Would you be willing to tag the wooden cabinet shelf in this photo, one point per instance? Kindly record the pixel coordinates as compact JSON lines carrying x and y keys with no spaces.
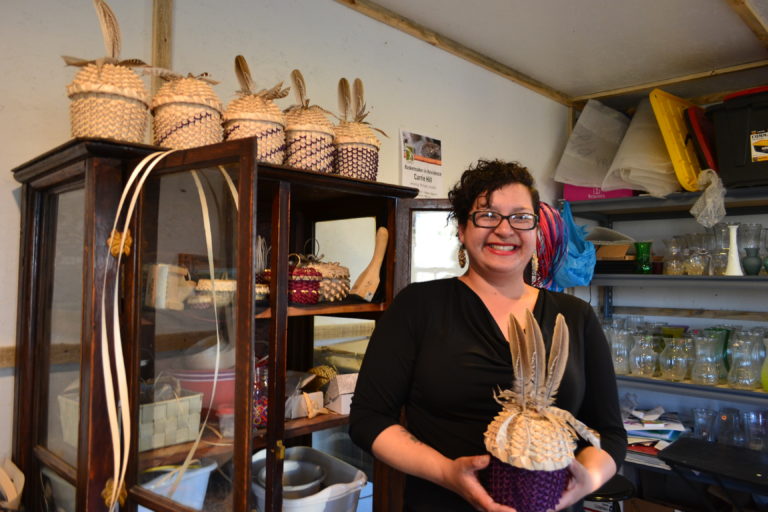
{"x":331,"y":309}
{"x":212,"y":446}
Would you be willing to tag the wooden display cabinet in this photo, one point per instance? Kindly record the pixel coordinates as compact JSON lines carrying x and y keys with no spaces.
{"x":70,"y":197}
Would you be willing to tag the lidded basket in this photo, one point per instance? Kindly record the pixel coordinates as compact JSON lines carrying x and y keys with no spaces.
{"x":187,"y":113}
{"x":357,"y":151}
{"x":357,"y":148}
{"x":255,"y":114}
{"x":308,"y":133}
{"x":108,"y":99}
{"x":531,"y":441}
{"x":110,"y":102}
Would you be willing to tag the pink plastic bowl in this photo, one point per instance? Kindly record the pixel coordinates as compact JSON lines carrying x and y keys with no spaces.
{"x":202,"y":381}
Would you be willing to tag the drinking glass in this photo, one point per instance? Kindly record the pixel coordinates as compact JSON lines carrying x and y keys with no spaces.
{"x":643,"y":257}
{"x":704,"y":423}
{"x":730,"y":431}
{"x":756,"y":429}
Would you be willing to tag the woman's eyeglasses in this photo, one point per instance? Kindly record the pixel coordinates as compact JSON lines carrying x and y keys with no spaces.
{"x":490,"y":219}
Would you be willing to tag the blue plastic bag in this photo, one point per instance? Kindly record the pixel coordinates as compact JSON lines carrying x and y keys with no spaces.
{"x":579,"y":264}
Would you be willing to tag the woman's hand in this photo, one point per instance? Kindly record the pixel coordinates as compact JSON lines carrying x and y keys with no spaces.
{"x":579,"y":485}
{"x":591,"y":469}
{"x":460,"y":476}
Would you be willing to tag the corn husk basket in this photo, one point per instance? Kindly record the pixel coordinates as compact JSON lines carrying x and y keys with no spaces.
{"x":357,"y":151}
{"x":531,"y":441}
{"x":187,"y":113}
{"x":308,"y":133}
{"x":108,"y":99}
{"x":255,"y":114}
{"x":335,"y":282}
{"x":357,"y":147}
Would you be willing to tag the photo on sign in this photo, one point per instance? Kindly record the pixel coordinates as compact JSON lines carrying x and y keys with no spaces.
{"x":421,"y":148}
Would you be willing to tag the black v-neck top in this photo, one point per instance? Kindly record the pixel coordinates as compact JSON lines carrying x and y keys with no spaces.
{"x":438,"y":352}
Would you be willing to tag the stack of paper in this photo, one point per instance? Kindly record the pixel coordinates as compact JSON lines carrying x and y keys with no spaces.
{"x":654,"y":424}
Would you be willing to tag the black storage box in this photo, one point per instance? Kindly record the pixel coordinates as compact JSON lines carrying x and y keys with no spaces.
{"x":741,"y":137}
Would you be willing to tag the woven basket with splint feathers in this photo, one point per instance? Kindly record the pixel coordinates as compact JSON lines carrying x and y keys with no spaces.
{"x":308,"y":133}
{"x":108,"y":99}
{"x":531,"y":441}
{"x":187,"y":113}
{"x":255,"y":114}
{"x":357,"y":147}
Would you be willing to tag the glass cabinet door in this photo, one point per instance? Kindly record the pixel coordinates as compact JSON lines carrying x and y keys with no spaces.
{"x":63,"y":315}
{"x":187,"y":334}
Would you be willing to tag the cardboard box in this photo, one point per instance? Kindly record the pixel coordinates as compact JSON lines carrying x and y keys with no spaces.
{"x":340,"y":404}
{"x":296,"y":405}
{"x":341,"y":385}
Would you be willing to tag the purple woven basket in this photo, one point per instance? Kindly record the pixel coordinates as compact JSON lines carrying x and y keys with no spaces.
{"x":523,"y":489}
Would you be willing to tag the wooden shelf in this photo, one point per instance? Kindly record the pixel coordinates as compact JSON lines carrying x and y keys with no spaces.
{"x":328,"y":309}
{"x":221,"y":449}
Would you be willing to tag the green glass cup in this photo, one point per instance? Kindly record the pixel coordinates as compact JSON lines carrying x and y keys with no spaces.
{"x":643,"y":258}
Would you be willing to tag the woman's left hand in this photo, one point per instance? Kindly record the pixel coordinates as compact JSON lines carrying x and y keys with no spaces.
{"x":591,"y":468}
{"x":579,"y":485}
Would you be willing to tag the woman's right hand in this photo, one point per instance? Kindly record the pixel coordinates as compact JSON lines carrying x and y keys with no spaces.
{"x":460,"y":476}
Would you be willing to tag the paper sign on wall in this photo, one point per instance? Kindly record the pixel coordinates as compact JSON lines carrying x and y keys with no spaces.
{"x":421,"y":164}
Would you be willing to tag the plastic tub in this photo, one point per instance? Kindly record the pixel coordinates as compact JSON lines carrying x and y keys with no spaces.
{"x":741,"y":138}
{"x":190,"y":491}
{"x":340,"y":490}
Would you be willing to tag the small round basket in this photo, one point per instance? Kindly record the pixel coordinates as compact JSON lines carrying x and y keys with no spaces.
{"x":357,"y":151}
{"x":255,"y":116}
{"x":109,"y":102}
{"x":187,"y":114}
{"x":309,"y":140}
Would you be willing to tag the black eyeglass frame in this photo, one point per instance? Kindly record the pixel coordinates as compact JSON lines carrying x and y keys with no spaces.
{"x":508,"y":218}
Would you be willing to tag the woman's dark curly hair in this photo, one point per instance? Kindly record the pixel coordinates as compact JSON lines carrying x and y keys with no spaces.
{"x":484,"y":178}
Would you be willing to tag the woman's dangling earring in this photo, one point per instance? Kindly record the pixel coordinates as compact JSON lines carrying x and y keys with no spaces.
{"x":534,"y":267}
{"x":462,"y":256}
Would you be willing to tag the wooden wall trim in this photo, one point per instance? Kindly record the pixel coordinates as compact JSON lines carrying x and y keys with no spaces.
{"x":7,"y":357}
{"x":162,"y":31}
{"x":394,"y":20}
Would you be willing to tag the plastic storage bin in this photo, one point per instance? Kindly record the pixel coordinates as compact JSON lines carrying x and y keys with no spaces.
{"x":741,"y":137}
{"x":340,"y":490}
{"x":190,"y":491}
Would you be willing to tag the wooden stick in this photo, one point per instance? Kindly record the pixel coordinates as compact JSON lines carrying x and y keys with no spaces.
{"x":365,"y":285}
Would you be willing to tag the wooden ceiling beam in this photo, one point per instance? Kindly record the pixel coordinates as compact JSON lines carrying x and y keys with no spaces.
{"x":394,"y":20}
{"x":671,"y":81}
{"x":748,"y":15}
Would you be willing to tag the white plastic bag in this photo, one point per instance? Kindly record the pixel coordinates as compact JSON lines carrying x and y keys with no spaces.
{"x":709,"y":208}
{"x":642,"y":161}
{"x":591,"y":146}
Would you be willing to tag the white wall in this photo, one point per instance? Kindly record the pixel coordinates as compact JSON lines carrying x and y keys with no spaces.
{"x":409,"y":84}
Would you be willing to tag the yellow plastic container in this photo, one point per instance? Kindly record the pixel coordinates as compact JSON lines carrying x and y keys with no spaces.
{"x":670,"y":114}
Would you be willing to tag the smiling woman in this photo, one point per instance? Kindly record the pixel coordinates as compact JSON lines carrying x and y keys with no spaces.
{"x":442,"y":350}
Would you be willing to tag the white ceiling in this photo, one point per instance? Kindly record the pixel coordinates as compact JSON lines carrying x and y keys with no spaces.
{"x":582,"y":47}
